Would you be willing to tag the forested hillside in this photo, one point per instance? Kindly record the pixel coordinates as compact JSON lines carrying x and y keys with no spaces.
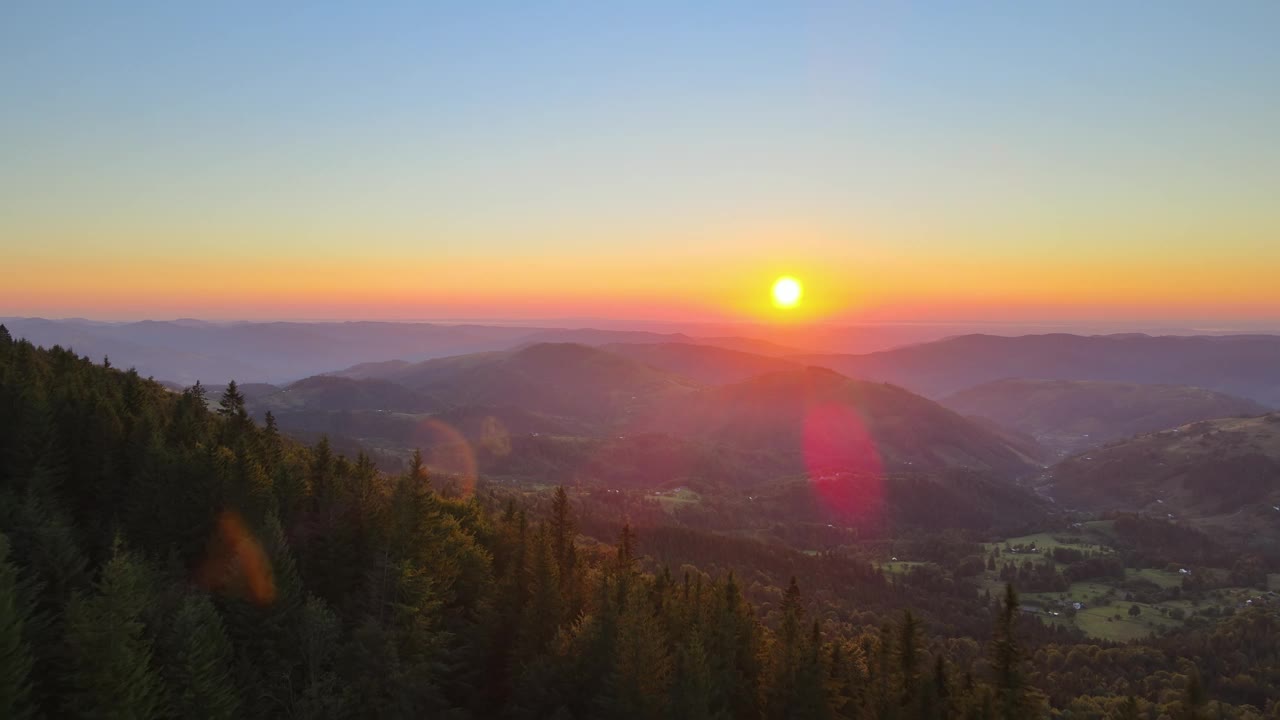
{"x":159,"y":559}
{"x":1073,"y":415}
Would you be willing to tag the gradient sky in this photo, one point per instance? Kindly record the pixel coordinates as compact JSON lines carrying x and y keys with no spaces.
{"x":997,"y":161}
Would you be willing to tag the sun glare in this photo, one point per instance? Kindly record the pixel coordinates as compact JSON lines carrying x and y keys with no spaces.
{"x":787,"y":292}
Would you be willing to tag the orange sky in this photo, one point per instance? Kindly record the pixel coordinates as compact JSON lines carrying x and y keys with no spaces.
{"x":906,"y":165}
{"x":883,"y":289}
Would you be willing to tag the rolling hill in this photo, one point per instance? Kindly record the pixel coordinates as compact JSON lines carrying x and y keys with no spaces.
{"x":836,"y":424}
{"x":326,"y":393}
{"x":1224,"y":471}
{"x":706,"y":364}
{"x":1069,"y":415}
{"x":1243,"y":365}
{"x":557,"y":379}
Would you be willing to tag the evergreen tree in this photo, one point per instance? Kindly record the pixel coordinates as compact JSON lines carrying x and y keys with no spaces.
{"x":110,"y":673}
{"x":198,"y":392}
{"x":1006,"y":662}
{"x":638,"y":685}
{"x":322,"y":696}
{"x":736,"y":655}
{"x":16,"y":661}
{"x":908,"y":649}
{"x":1193,"y":696}
{"x":938,"y":697}
{"x":564,"y":544}
{"x":544,"y":611}
{"x":691,"y":690}
{"x":195,"y":657}
{"x":789,"y":658}
{"x":626,"y":549}
{"x":232,"y":402}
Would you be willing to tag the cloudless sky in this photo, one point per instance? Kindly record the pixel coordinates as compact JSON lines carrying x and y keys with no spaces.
{"x":928,"y":161}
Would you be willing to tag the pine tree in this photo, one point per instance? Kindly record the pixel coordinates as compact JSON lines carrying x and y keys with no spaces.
{"x":232,"y":402}
{"x":1193,"y":696}
{"x":811,"y":700}
{"x":322,"y":694}
{"x":788,"y":657}
{"x":938,"y":697}
{"x":1006,"y":662}
{"x":736,"y":652}
{"x":195,"y":657}
{"x":641,"y":670}
{"x":626,"y":549}
{"x":544,"y":611}
{"x":110,"y":669}
{"x":691,"y":690}
{"x":563,"y":534}
{"x":16,"y":660}
{"x":417,"y":469}
{"x":908,"y":648}
{"x":198,"y":392}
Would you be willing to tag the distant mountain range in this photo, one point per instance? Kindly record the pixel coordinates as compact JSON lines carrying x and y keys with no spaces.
{"x":648,"y":408}
{"x":1068,"y":415}
{"x":560,"y":379}
{"x":1243,"y":365}
{"x":776,"y":408}
{"x":183,"y":351}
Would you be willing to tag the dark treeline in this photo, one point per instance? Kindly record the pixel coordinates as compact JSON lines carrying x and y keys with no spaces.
{"x":159,"y":559}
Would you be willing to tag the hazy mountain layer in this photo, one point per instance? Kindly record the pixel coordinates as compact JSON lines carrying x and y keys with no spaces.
{"x":834,"y":422}
{"x":1076,"y":414}
{"x":1226,"y":469}
{"x":1244,"y":365}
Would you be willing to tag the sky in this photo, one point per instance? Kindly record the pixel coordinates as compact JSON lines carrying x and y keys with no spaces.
{"x":908,"y":162}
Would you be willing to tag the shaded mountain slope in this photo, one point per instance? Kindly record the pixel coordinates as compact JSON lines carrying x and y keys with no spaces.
{"x":329,"y":393}
{"x":1223,"y":472}
{"x":834,"y":422}
{"x":1076,"y":414}
{"x":558,"y":379}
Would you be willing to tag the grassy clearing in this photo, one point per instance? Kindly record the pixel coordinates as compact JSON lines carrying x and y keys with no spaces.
{"x":1102,"y":622}
{"x":1103,"y":599}
{"x":673,"y":499}
{"x":1085,"y":542}
{"x":1163,"y":578}
{"x":898,"y":567}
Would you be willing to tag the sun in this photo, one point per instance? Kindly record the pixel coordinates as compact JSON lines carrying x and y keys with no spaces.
{"x":787,"y":292}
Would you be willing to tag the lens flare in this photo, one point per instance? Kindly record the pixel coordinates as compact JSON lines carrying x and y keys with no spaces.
{"x":237,"y":565}
{"x":448,"y":455}
{"x":845,"y":468}
{"x":787,"y":292}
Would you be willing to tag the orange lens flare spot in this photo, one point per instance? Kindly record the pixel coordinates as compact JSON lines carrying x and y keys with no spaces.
{"x":237,"y":565}
{"x":449,"y":457}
